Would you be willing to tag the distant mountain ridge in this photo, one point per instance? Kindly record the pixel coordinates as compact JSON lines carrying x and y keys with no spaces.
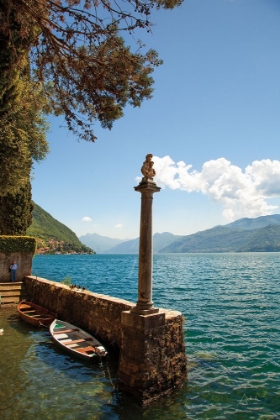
{"x":256,"y":223}
{"x":160,"y":240}
{"x":100,"y":243}
{"x":243,"y":235}
{"x":261,"y":234}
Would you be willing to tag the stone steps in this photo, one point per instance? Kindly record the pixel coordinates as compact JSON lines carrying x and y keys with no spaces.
{"x":12,"y":293}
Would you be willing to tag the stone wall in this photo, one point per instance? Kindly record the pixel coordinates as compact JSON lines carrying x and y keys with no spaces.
{"x":23,"y":260}
{"x":98,"y":314}
{"x":152,"y":350}
{"x":153,"y":358}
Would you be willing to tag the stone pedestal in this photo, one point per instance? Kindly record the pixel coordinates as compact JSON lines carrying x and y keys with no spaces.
{"x":153,"y":358}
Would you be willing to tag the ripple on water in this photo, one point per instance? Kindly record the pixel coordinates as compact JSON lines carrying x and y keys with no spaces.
{"x":232,"y":331}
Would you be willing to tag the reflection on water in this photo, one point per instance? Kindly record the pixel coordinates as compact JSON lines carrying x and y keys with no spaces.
{"x":39,"y":381}
{"x":232,"y":333}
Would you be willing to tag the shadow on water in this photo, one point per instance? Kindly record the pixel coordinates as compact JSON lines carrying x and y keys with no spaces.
{"x":231,"y":306}
{"x":37,"y":378}
{"x":50,"y":354}
{"x":39,"y":381}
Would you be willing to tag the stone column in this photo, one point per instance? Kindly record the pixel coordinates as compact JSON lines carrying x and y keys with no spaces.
{"x":147,"y":188}
{"x":152,"y":358}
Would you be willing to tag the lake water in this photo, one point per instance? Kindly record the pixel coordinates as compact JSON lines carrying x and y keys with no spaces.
{"x":232,"y":333}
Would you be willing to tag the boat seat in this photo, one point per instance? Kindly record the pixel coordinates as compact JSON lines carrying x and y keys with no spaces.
{"x":61,"y":336}
{"x":80,"y":340}
{"x":86,"y":349}
{"x":65,"y":331}
{"x":24,"y":306}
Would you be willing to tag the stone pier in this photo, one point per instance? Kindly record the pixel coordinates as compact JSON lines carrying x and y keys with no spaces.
{"x":152,"y":357}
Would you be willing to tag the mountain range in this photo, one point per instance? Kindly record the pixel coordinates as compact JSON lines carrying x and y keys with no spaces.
{"x":261,"y":234}
{"x":243,"y":235}
{"x":106,"y":245}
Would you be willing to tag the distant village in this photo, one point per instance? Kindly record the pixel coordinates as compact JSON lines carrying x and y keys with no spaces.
{"x":60,"y":247}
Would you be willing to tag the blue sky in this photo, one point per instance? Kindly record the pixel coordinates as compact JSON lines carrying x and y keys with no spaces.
{"x":213,"y":126}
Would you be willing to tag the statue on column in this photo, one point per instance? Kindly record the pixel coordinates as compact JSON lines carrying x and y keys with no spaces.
{"x":147,"y":168}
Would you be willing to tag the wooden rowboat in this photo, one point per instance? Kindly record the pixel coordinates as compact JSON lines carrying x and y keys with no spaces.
{"x":34,"y":314}
{"x":76,"y":341}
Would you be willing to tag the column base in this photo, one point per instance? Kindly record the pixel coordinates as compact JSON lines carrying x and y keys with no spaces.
{"x":153,"y":358}
{"x":138,"y":310}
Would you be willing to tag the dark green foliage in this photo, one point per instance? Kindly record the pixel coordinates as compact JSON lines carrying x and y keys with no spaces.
{"x":12,"y":244}
{"x":78,"y":56}
{"x":22,"y":137}
{"x":46,"y":228}
{"x":16,"y":211}
{"x":14,"y":50}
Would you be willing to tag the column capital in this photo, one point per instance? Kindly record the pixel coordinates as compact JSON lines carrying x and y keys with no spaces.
{"x":147,"y":184}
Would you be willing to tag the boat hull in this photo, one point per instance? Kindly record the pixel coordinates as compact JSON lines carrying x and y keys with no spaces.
{"x":76,"y":341}
{"x":34,"y":314}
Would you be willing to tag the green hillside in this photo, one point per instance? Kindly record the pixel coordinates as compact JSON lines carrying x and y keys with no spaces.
{"x":266,"y":239}
{"x":218,"y":239}
{"x":245,"y":235}
{"x":256,"y":223}
{"x":52,"y":234}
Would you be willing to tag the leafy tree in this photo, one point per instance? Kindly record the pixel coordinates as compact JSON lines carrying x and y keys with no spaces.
{"x":16,"y":212}
{"x":81,"y":68}
{"x":76,"y":52}
{"x":22,"y":137}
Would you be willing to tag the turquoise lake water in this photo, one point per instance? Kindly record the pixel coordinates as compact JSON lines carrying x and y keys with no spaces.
{"x":232,"y":334}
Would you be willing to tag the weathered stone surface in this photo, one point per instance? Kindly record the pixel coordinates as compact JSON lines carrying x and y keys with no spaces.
{"x":144,"y":303}
{"x":152,"y":358}
{"x":141,"y":322}
{"x":23,"y":260}
{"x":96,"y":313}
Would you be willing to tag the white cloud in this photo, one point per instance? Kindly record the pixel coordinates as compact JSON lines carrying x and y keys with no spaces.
{"x":242,"y":194}
{"x":86,"y":219}
{"x":118,"y":226}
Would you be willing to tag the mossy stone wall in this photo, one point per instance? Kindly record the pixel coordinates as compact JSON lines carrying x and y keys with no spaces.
{"x":20,"y":249}
{"x":24,"y":262}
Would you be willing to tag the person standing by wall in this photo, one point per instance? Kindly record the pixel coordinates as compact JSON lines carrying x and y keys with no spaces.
{"x":13,"y":268}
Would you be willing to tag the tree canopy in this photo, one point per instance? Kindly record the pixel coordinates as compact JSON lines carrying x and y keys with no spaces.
{"x":65,"y":57}
{"x":22,"y":135}
{"x":16,"y":211}
{"x":78,"y":56}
